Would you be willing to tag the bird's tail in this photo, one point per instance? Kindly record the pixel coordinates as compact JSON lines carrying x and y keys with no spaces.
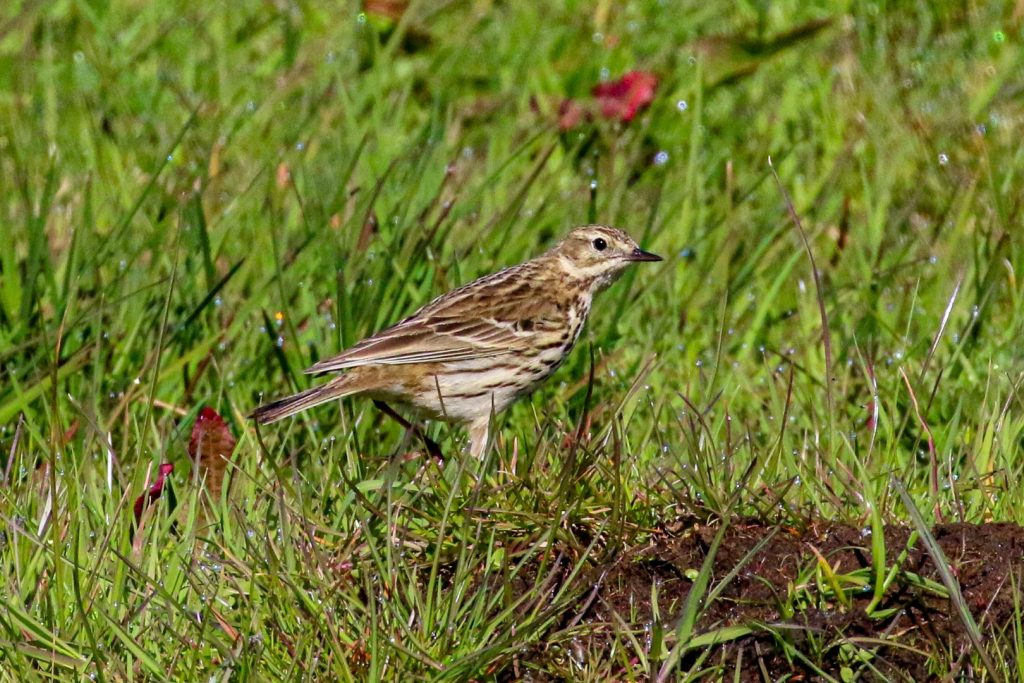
{"x":289,"y":405}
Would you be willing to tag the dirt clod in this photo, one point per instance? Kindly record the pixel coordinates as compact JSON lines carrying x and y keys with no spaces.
{"x":812,"y":591}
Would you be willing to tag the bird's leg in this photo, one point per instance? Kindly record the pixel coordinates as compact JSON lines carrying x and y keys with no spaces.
{"x":432,"y":448}
{"x":478,"y":433}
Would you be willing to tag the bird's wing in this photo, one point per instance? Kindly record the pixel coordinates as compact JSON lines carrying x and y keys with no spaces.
{"x":482,"y":320}
{"x":419,"y":341}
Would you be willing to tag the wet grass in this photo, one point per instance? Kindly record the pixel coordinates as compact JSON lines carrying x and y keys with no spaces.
{"x":199,"y":201}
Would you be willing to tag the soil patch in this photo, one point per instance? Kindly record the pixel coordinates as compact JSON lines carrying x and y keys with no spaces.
{"x":809,"y":591}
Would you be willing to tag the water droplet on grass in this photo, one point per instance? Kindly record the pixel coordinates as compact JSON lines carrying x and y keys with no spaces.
{"x":943,"y":159}
{"x":681,"y":105}
{"x":661,"y":158}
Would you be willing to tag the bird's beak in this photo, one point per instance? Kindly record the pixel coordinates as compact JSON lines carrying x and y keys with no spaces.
{"x":641,"y":255}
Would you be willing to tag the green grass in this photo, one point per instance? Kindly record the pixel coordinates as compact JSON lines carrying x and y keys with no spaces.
{"x":199,"y":200}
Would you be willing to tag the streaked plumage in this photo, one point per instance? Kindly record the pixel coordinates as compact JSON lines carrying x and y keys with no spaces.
{"x":476,"y":349}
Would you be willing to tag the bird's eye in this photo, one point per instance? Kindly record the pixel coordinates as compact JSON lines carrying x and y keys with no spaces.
{"x":600,"y":244}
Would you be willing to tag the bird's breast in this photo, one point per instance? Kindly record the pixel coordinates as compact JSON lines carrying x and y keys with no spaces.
{"x":578,"y":313}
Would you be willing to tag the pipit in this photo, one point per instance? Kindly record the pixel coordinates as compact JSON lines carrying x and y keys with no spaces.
{"x":470,"y":353}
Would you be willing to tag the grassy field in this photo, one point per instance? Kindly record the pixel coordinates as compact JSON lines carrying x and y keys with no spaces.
{"x":199,"y":200}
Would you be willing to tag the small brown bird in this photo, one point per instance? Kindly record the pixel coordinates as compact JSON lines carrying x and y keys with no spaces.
{"x":473,"y":351}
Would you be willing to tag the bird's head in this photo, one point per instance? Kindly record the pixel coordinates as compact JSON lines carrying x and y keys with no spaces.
{"x":598,"y":254}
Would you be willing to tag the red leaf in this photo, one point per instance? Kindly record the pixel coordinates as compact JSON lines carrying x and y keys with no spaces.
{"x":388,"y":9}
{"x":154,"y":492}
{"x":210,"y":447}
{"x":284,"y":176}
{"x":625,"y":98}
{"x":570,"y":114}
{"x":70,"y":432}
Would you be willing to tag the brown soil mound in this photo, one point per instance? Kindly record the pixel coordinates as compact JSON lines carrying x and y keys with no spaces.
{"x":911,"y":629}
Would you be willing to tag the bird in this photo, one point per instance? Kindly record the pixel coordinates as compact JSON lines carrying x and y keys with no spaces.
{"x":469,"y":353}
